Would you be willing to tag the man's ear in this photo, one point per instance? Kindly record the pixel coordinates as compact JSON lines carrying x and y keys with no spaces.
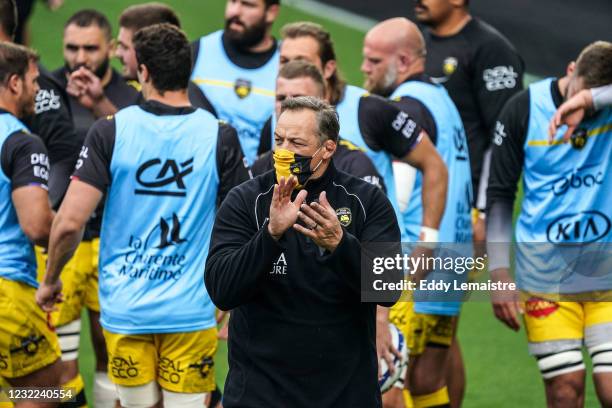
{"x":571,"y":67}
{"x":143,"y":73}
{"x":329,"y":69}
{"x":14,"y":84}
{"x":329,"y":148}
{"x":272,"y":13}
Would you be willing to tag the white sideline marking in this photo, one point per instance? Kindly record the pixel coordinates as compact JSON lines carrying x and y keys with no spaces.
{"x":335,"y":14}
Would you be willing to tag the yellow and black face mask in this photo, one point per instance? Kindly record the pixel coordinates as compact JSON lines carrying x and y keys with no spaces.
{"x":288,"y":163}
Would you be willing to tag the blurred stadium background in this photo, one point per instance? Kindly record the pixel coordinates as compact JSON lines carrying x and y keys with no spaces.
{"x":499,"y":371}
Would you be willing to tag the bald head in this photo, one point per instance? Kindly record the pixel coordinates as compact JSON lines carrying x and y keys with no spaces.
{"x":393,"y":51}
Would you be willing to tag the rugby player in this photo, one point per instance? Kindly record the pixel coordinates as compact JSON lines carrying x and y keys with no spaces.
{"x":29,"y":349}
{"x":236,"y":68}
{"x":133,"y":19}
{"x":95,"y":89}
{"x":394,"y":65}
{"x":481,"y":70}
{"x":164,"y":166}
{"x":301,"y":78}
{"x":566,"y":200}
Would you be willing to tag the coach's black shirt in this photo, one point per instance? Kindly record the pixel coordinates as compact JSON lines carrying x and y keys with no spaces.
{"x":121,"y":94}
{"x":347,"y":158}
{"x":100,"y":144}
{"x":299,"y":335}
{"x":481,"y":70}
{"x":52,"y":122}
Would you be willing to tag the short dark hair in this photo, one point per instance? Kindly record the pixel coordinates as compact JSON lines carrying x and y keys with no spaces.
{"x":8,"y":17}
{"x":14,"y":60}
{"x":89,"y":17}
{"x":144,"y":15}
{"x":165,"y":51}
{"x":326,"y":51}
{"x":271,"y":2}
{"x":594,"y":64}
{"x":328,"y":125}
{"x":303,"y":69}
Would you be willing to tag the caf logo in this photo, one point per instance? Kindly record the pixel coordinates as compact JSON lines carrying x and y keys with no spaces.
{"x":242,"y":87}
{"x":344,"y":216}
{"x":450,"y":65}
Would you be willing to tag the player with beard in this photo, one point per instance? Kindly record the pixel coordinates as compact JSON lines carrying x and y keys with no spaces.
{"x":87,"y":50}
{"x":133,"y":19}
{"x":394,"y":64}
{"x":236,"y":68}
{"x":29,"y":349}
{"x":52,"y":121}
{"x":480,"y":69}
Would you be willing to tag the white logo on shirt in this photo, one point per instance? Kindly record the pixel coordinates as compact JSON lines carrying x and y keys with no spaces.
{"x":46,"y":100}
{"x":84,"y":154}
{"x":500,"y":77}
{"x":40,"y":165}
{"x":280,"y":266}
{"x":402,"y":120}
{"x":499,"y":134}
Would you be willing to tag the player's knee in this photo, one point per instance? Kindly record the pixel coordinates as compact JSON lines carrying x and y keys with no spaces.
{"x":557,"y":364}
{"x":183,"y":400}
{"x":565,"y":389}
{"x":438,"y":399}
{"x":141,"y":396}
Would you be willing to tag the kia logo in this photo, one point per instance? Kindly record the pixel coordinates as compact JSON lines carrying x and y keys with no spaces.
{"x":584,"y":227}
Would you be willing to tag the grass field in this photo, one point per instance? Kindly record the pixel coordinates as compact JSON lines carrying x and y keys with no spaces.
{"x":499,"y":371}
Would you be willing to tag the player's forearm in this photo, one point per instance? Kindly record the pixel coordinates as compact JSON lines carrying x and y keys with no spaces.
{"x":65,"y":237}
{"x":601,"y":97}
{"x":499,"y":234}
{"x":435,"y":184}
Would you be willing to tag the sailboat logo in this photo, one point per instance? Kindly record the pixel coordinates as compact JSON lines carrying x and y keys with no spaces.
{"x":170,"y":235}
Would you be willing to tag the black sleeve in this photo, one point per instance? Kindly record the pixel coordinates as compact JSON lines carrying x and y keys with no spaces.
{"x":239,"y":255}
{"x":380,"y":226}
{"x":198,"y":99}
{"x":498,"y":73}
{"x":263,"y":164}
{"x":53,"y":123}
{"x":24,"y":160}
{"x":265,"y":138}
{"x":232,"y":167}
{"x":419,"y":112}
{"x":386,"y":127}
{"x":93,"y":165}
{"x":508,"y":152}
{"x":350,"y":159}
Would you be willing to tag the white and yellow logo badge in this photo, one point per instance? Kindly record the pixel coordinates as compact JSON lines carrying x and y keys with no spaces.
{"x":344,"y":216}
{"x":450,"y":65}
{"x":242,"y":87}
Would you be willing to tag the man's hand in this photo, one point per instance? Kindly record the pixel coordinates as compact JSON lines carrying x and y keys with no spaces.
{"x":384,"y":346}
{"x":322,"y":225}
{"x":86,"y":87}
{"x":506,"y":304}
{"x":570,"y":113}
{"x":283,"y":211}
{"x":47,"y":295}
